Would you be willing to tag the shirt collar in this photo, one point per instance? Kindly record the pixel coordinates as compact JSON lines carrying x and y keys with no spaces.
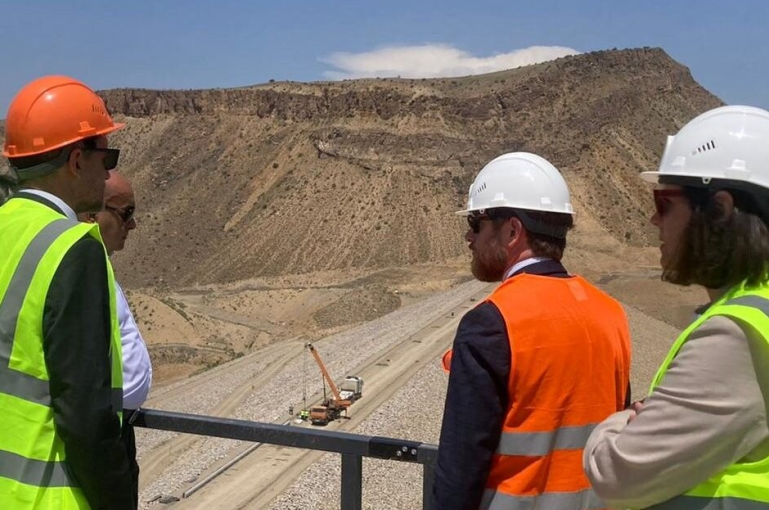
{"x":61,"y":204}
{"x":522,"y":264}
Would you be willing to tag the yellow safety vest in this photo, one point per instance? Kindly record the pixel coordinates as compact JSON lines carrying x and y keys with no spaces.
{"x":33,"y":465}
{"x":743,"y":485}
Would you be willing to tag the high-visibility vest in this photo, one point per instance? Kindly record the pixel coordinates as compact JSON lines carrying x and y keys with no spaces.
{"x":570,"y":369}
{"x":33,"y":464}
{"x":743,"y":485}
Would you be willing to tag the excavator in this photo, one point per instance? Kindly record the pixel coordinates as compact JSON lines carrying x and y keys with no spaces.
{"x":331,"y":408}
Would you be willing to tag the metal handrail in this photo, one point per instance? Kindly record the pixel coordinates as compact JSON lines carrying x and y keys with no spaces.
{"x":352,"y":447}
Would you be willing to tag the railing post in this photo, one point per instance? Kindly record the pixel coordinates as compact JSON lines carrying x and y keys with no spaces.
{"x":352,"y":481}
{"x":428,"y":477}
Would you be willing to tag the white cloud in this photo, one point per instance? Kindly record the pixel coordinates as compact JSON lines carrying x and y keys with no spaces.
{"x":433,"y":61}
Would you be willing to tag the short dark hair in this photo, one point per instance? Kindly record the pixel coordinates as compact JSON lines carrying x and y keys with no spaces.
{"x":37,"y":159}
{"x":542,"y":245}
{"x":717,"y":250}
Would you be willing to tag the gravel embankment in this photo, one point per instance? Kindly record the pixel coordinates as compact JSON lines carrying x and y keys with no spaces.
{"x":342,"y":353}
{"x":413,"y":413}
{"x":200,"y":402}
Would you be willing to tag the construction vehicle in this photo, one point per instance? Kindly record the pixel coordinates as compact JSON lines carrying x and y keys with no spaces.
{"x":332,"y":408}
{"x":351,"y":388}
{"x":322,"y":414}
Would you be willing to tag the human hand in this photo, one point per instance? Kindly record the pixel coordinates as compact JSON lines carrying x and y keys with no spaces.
{"x":635,"y":408}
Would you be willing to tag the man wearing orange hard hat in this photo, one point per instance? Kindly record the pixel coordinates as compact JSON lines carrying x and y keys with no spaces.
{"x":60,"y":352}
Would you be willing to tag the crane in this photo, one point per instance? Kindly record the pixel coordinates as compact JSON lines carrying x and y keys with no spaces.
{"x":327,"y":376}
{"x":331,"y":408}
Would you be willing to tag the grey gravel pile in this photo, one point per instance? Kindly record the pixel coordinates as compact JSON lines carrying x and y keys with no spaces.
{"x":342,"y":353}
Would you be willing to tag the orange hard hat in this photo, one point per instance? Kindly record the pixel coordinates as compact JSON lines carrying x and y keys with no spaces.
{"x":446,"y":361}
{"x":53,"y":112}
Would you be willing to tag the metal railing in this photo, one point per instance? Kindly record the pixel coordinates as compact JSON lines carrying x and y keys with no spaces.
{"x":352,"y":447}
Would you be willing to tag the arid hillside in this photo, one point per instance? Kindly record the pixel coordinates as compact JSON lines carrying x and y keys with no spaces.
{"x":290,"y":178}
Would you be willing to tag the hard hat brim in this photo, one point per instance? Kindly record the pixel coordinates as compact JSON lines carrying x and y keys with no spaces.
{"x":103,"y":132}
{"x":467,"y":212}
{"x":652,"y":177}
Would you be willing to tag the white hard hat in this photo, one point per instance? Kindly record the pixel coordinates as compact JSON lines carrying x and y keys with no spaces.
{"x":727,"y":143}
{"x":519,"y":180}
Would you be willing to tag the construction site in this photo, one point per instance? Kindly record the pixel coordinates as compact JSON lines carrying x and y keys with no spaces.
{"x":289,"y":384}
{"x":298,"y":264}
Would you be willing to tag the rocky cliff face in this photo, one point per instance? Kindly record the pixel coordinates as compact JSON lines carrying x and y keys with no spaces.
{"x":287,"y":178}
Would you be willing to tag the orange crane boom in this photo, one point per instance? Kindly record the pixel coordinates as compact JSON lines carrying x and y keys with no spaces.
{"x":327,"y":376}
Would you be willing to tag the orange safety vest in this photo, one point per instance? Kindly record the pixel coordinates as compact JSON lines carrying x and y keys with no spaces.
{"x":570,"y":348}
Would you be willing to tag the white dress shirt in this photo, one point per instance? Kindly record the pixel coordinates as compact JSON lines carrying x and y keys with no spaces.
{"x":521,"y":264}
{"x":61,"y":204}
{"x":137,"y":369}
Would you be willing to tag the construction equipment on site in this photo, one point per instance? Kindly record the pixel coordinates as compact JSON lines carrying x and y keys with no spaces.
{"x":351,"y":388}
{"x":332,"y":408}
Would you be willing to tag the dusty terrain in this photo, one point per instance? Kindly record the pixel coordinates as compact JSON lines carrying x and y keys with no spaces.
{"x":296,"y":178}
{"x":286,"y":212}
{"x":194,"y":329}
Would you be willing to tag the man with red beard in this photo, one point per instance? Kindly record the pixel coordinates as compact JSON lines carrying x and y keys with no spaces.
{"x":536,"y":365}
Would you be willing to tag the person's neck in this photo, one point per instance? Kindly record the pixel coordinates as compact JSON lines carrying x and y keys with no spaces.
{"x":522,"y":255}
{"x":715,"y":294}
{"x":56,"y":191}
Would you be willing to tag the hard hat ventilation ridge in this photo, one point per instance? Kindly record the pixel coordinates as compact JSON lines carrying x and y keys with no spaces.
{"x":480,"y":188}
{"x":704,"y":148}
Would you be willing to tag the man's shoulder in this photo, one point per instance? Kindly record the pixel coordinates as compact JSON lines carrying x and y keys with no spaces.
{"x":484,"y":320}
{"x":484,"y":311}
{"x":600,"y":293}
{"x":88,"y":244}
{"x":87,"y":252}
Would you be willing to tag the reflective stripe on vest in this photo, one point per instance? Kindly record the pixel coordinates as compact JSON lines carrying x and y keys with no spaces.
{"x":39,"y":473}
{"x":542,"y":443}
{"x":756,"y":302}
{"x":740,"y":486}
{"x":581,"y":500}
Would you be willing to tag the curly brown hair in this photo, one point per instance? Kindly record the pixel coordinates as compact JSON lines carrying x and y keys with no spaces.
{"x":721,"y":250}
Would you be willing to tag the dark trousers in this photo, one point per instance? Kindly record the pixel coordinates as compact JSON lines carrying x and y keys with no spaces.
{"x":129,"y":441}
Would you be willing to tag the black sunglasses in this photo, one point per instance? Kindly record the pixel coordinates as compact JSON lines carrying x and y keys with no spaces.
{"x":126,"y":214}
{"x":110,"y":158}
{"x":474,"y":222}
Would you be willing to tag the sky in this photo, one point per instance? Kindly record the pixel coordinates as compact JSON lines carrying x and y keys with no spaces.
{"x":190,"y":44}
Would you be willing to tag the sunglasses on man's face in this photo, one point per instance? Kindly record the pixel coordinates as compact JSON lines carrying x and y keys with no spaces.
{"x":110,"y":156}
{"x":126,"y":214}
{"x":662,"y":199}
{"x":474,"y":222}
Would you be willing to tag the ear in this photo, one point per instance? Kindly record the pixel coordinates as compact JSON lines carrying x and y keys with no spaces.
{"x":725,"y":202}
{"x":515,"y":231}
{"x":73,"y":162}
{"x":88,"y":217}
